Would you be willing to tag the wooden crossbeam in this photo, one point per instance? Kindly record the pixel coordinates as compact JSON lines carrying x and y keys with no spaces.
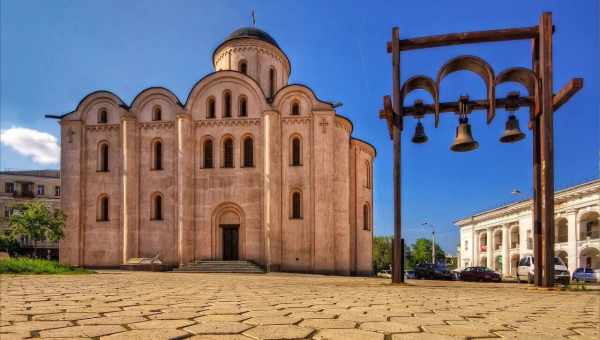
{"x":566,"y":93}
{"x":466,"y":38}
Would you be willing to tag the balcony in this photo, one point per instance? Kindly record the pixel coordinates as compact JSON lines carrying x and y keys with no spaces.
{"x":23,"y":194}
{"x":483,"y":248}
{"x":589,"y":235}
{"x":514,"y":245}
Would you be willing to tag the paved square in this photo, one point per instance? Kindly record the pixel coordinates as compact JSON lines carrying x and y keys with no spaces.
{"x":137,"y":305}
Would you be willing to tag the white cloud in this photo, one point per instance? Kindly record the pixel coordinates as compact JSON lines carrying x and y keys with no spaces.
{"x":42,"y":147}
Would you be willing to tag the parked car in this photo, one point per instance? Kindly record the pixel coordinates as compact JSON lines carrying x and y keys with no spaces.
{"x":432,"y":271}
{"x":525,"y":270}
{"x":409,"y":274}
{"x":480,"y":274}
{"x":585,"y":275}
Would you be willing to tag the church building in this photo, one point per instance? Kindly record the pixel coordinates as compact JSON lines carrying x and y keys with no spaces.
{"x":249,"y":167}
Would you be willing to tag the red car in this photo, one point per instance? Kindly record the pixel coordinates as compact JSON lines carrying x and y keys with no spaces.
{"x":480,"y":274}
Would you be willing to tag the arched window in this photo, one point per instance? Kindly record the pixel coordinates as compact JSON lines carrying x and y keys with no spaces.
{"x":366,"y":217}
{"x":296,"y":205}
{"x":102,"y":116}
{"x":103,"y":157}
{"x":368,"y":177}
{"x":102,"y":209}
{"x":243,"y":67}
{"x":210,"y":108}
{"x":157,"y":207}
{"x":157,"y":155}
{"x":295,"y":111}
{"x":248,"y":152}
{"x":208,"y":154}
{"x":271,"y":82}
{"x":227,"y":104}
{"x":296,"y":152}
{"x":157,"y":113}
{"x":243,"y":109}
{"x":228,"y":153}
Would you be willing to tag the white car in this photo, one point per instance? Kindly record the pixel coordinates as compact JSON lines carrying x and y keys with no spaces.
{"x":526,"y":272}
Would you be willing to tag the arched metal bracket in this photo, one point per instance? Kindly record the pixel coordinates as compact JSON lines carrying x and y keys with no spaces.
{"x":528,"y":79}
{"x":475,"y":65}
{"x":420,"y":83}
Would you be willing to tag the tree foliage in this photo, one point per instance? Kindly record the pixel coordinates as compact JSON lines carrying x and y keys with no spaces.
{"x":36,"y":221}
{"x":421,"y":252}
{"x":382,"y":253}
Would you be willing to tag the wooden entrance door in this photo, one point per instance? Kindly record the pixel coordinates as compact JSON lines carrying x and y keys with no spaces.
{"x":230,"y":242}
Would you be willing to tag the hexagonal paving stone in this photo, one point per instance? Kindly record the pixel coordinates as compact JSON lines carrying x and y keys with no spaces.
{"x":24,"y":327}
{"x":174,"y":315}
{"x":528,"y":336}
{"x":362,"y":317}
{"x":81,"y":331}
{"x":279,"y":332}
{"x":147,"y":334}
{"x":161,"y":324}
{"x":218,"y":327}
{"x":327,"y":323}
{"x":272,"y":320}
{"x":347,"y":334}
{"x":458,"y":330}
{"x":313,"y":315}
{"x":222,"y":317}
{"x":112,"y":320}
{"x":425,"y":336}
{"x":65,"y":316}
{"x":220,"y":337}
{"x":389,"y":327}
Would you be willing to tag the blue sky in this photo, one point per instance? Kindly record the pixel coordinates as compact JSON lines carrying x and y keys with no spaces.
{"x":53,"y":53}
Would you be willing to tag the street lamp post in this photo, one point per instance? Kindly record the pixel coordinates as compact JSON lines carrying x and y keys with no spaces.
{"x":432,"y":240}
{"x":540,"y":99}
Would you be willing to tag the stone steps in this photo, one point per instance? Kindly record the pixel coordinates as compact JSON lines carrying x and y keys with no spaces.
{"x":220,"y":267}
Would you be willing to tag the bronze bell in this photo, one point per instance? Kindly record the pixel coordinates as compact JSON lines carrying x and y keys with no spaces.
{"x":419,"y":137}
{"x":464,"y":139}
{"x":512,"y":133}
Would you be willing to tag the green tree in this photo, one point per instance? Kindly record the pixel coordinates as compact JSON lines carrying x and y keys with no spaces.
{"x":382,"y":253}
{"x":421,"y":252}
{"x":36,"y":221}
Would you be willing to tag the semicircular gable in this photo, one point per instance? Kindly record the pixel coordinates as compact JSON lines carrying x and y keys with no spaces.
{"x":99,"y":99}
{"x":153,"y":92}
{"x":300,"y":89}
{"x":194,"y":102}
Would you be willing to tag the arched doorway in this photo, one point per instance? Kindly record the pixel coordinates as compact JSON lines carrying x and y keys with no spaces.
{"x":228,"y":228}
{"x":514,"y":263}
{"x":589,"y":228}
{"x":590,"y":258}
{"x":229,"y":223}
{"x":562,"y":231}
{"x":498,"y":264}
{"x":483,"y":261}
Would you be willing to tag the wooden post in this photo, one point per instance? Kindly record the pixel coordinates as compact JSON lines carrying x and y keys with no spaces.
{"x":537,"y":200}
{"x":547,"y":149}
{"x":397,"y":249}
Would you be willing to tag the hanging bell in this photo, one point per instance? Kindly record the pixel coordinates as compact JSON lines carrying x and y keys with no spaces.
{"x":464,"y":139}
{"x":512,"y":132}
{"x":419,"y":137}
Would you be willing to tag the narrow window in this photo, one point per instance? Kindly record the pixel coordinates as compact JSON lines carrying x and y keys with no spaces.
{"x":57,"y":190}
{"x":157,"y":156}
{"x":208,"y":154}
{"x":157,"y":207}
{"x":210,"y":108}
{"x":157,"y":113}
{"x":40,"y":189}
{"x":368,"y":175}
{"x":366,"y":217}
{"x":296,"y":205}
{"x":228,"y":153}
{"x":271,"y":82}
{"x":227,"y":105}
{"x":9,"y":187}
{"x":248,"y":152}
{"x":243,"y":107}
{"x":103,"y":157}
{"x":296,"y":148}
{"x":102,"y":116}
{"x":295,"y":109}
{"x":103,"y":209}
{"x":243,"y":67}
